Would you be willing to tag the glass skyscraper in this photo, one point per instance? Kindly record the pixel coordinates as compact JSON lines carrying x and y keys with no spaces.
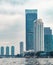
{"x":31,"y":15}
{"x":52,"y":43}
{"x":2,"y":50}
{"x":7,"y":50}
{"x":12,"y":50}
{"x":47,"y":39}
{"x":21,"y":48}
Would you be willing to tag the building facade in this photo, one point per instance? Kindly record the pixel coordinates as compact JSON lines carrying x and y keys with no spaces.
{"x":7,"y":51}
{"x":47,"y":39}
{"x":52,"y":43}
{"x":31,"y":15}
{"x":21,"y":48}
{"x":12,"y":50}
{"x":2,"y":51}
{"x":38,"y":35}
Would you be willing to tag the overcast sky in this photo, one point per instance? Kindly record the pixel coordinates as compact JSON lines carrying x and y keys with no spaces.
{"x":12,"y":18}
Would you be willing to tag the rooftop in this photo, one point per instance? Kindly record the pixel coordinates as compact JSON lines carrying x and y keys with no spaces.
{"x":31,"y":10}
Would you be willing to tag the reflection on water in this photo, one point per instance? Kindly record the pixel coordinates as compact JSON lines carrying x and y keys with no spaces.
{"x":31,"y":61}
{"x":25,"y":61}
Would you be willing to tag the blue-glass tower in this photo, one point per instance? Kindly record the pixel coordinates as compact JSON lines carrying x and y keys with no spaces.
{"x":52,"y":42}
{"x":2,"y":51}
{"x":47,"y":39}
{"x":12,"y":50}
{"x":31,"y":15}
{"x":7,"y":51}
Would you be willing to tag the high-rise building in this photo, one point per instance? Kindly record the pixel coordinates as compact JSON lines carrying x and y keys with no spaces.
{"x":21,"y":48}
{"x":2,"y":50}
{"x":47,"y":39}
{"x":7,"y":50}
{"x":38,"y":35}
{"x":12,"y":50}
{"x":31,"y":15}
{"x":52,"y":44}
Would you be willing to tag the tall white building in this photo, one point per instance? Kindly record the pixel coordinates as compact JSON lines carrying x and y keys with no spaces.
{"x":38,"y":35}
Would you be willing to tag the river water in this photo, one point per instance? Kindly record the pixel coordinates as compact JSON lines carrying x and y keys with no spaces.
{"x":25,"y":61}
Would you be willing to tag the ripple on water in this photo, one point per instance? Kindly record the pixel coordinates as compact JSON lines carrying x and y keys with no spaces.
{"x":24,"y":61}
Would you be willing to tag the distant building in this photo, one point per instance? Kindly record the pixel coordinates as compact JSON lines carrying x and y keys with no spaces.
{"x":21,"y":47}
{"x":12,"y":50}
{"x":2,"y":51}
{"x":7,"y":50}
{"x":47,"y":39}
{"x":31,"y":15}
{"x":38,"y":35}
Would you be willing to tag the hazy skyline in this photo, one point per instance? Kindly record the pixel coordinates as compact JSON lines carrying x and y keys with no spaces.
{"x":12,"y":18}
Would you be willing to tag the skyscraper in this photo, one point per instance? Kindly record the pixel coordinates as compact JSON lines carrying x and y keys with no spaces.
{"x":47,"y":39}
{"x":21,"y":48}
{"x":2,"y":50}
{"x":52,"y":44}
{"x":38,"y":35}
{"x":12,"y":50}
{"x":31,"y":15}
{"x":7,"y":50}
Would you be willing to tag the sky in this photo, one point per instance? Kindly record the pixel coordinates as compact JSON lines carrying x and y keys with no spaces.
{"x":12,"y":19}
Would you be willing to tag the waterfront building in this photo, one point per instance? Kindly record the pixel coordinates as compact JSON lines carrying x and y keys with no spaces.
{"x":38,"y":35}
{"x":12,"y":50}
{"x":2,"y":50}
{"x":31,"y":15}
{"x":52,"y":43}
{"x":7,"y":51}
{"x":47,"y":39}
{"x":21,"y":47}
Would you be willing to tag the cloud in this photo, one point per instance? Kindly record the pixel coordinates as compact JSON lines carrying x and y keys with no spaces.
{"x":49,"y":12}
{"x":7,"y":8}
{"x":14,"y":2}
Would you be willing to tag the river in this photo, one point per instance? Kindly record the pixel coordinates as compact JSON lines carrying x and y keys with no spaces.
{"x":26,"y":61}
